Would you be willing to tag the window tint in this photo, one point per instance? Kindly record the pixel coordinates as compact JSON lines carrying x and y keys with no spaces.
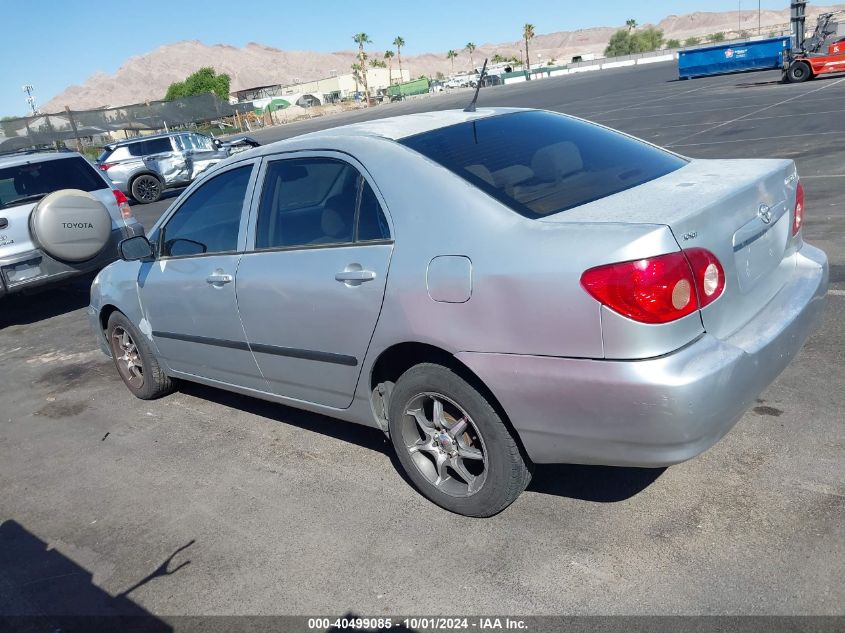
{"x":42,"y":177}
{"x":539,"y":163}
{"x":136,"y":149}
{"x":208,"y":221}
{"x":307,"y":201}
{"x":372,"y":224}
{"x":157,"y":146}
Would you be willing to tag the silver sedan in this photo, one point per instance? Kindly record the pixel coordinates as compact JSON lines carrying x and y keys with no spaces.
{"x":492,"y":289}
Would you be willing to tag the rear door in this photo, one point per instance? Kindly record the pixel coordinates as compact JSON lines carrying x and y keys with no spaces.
{"x":162,"y":156}
{"x":310,"y":289}
{"x":188,"y":293}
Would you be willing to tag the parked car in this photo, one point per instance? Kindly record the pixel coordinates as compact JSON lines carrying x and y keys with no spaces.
{"x":59,"y":218}
{"x":562,"y":293}
{"x":144,"y":167}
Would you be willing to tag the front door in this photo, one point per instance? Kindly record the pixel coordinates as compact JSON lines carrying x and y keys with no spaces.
{"x":188,"y":293}
{"x":311,"y":289}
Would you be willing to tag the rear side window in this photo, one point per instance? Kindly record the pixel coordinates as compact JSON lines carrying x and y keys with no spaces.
{"x":36,"y":179}
{"x":540,"y":163}
{"x":157,"y":146}
{"x":317,"y":201}
{"x":209,"y":220}
{"x":372,"y":225}
{"x":307,"y":202}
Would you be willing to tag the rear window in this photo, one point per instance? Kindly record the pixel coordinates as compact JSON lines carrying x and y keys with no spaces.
{"x":31,"y":181}
{"x":540,"y":163}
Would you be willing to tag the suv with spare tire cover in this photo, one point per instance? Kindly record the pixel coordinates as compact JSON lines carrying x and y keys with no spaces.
{"x":59,"y":218}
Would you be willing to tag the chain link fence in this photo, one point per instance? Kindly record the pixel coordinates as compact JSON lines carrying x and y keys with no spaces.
{"x":91,"y":128}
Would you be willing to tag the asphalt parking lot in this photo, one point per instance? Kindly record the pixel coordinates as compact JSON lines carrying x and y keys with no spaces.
{"x":206,"y":502}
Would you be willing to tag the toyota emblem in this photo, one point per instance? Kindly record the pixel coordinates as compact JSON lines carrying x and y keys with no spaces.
{"x":765,"y":213}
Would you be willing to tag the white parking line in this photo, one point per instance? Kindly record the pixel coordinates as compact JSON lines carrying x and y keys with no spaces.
{"x":774,"y":105}
{"x":838,"y":293}
{"x":762,"y":138}
{"x":758,"y":118}
{"x":803,"y":177}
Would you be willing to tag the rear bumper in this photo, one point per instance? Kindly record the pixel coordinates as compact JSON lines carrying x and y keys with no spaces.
{"x":659,"y":411}
{"x":49,"y":270}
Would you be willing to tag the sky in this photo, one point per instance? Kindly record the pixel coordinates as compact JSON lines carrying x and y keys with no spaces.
{"x":63,"y":42}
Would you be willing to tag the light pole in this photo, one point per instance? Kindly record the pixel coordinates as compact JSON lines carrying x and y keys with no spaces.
{"x":28,"y":89}
{"x":759,"y":19}
{"x":739,"y":19}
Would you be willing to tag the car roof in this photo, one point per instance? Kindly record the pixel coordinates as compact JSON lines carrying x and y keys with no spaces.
{"x":394,"y":128}
{"x":22,"y":158}
{"x":149,"y":137}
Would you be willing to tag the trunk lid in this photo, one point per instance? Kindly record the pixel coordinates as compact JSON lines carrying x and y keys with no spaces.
{"x":740,"y":210}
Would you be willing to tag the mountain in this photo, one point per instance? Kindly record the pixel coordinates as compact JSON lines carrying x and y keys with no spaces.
{"x":146,"y":77}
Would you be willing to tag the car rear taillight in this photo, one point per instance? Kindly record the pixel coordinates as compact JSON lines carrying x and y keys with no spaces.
{"x":123,"y":204}
{"x":654,"y":290}
{"x":798,"y":218}
{"x":709,"y":275}
{"x":658,"y":289}
{"x":105,"y":166}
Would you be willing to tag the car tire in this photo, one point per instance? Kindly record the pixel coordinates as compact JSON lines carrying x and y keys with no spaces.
{"x":459,"y":454}
{"x":799,"y":72}
{"x":146,"y":189}
{"x":135,"y":362}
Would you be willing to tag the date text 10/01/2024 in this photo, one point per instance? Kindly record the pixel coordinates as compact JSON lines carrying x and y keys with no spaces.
{"x":418,"y":623}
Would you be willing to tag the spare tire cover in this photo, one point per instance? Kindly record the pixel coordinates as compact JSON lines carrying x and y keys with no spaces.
{"x":71,"y":225}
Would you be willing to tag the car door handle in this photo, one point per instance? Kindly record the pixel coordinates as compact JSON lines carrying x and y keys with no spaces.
{"x":218,"y":278}
{"x":355,"y":276}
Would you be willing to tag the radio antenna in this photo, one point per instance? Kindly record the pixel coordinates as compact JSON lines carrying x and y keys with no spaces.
{"x":471,"y":106}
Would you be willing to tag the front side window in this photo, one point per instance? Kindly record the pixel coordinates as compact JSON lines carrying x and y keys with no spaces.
{"x":208,"y":221}
{"x":540,"y":163}
{"x":307,"y":202}
{"x":202,"y":142}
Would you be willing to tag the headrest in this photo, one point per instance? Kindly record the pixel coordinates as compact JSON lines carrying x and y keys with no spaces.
{"x":556,"y":161}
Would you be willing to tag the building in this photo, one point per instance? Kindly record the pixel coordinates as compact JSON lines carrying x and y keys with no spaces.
{"x":340,"y":87}
{"x":258,"y":92}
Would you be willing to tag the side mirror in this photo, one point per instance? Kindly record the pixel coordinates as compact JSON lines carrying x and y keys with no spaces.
{"x":217,"y":143}
{"x":135,"y":249}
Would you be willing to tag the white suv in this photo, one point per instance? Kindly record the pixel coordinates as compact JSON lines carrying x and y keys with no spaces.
{"x":59,"y":217}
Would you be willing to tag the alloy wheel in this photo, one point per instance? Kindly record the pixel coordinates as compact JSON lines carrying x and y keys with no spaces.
{"x":127,"y":358}
{"x":148,"y":189}
{"x":445,"y":444}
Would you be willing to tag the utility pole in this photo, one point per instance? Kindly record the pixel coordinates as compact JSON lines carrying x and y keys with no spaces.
{"x":739,"y":18}
{"x":29,"y":89}
{"x":759,"y":19}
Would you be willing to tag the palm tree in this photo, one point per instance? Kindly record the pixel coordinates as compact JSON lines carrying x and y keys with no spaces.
{"x":469,"y":49}
{"x":631,"y":24}
{"x":360,"y":39}
{"x":399,"y":43}
{"x":356,"y":74}
{"x":527,"y":34}
{"x":451,"y":55}
{"x":388,"y":55}
{"x":498,"y":59}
